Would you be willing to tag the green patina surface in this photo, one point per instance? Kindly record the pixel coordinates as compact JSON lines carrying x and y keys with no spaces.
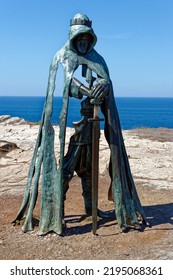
{"x":127,"y":203}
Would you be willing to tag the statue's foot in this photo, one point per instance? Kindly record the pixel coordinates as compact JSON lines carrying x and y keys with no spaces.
{"x":134,"y":226}
{"x":103,"y":214}
{"x":100,"y":213}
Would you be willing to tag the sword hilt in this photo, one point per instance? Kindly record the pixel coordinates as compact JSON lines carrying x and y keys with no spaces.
{"x":96,"y":115}
{"x":95,"y":120}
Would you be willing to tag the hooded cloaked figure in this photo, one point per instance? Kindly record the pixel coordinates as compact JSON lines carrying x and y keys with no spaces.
{"x":56,"y":173}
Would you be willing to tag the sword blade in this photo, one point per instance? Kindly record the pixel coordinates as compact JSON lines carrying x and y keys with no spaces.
{"x":95,"y":166}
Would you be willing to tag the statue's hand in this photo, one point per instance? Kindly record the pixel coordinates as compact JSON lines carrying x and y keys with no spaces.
{"x":100,"y":90}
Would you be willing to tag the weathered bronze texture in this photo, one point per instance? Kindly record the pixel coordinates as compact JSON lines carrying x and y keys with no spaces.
{"x":57,"y":173}
{"x":95,"y":164}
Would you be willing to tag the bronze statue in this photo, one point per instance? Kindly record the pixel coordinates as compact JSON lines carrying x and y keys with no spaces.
{"x":82,"y":152}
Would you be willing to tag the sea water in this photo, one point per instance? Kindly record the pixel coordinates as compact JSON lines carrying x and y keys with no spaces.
{"x":133,"y":112}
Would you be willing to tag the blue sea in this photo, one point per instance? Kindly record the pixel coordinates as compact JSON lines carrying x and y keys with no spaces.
{"x":133,"y":112}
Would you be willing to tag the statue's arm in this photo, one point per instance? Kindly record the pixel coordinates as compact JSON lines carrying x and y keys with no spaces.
{"x":97,"y":92}
{"x":101,"y":89}
{"x":77,"y":89}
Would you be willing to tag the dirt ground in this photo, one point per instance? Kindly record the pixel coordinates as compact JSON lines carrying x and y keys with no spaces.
{"x":78,"y":242}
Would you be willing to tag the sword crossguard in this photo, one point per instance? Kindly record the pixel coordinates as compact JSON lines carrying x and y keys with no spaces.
{"x":95,"y":115}
{"x":95,"y":120}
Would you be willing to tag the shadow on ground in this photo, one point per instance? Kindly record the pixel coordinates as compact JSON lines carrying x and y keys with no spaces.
{"x":157,"y":215}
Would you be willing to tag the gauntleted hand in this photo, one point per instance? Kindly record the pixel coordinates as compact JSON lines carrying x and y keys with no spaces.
{"x":99,"y":91}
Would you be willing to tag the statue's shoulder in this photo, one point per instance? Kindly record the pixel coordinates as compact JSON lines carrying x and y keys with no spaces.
{"x":97,"y":58}
{"x":64,"y":55}
{"x":59,"y":55}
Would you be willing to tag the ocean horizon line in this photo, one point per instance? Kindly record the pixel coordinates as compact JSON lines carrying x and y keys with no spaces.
{"x":133,"y":111}
{"x":171,"y":97}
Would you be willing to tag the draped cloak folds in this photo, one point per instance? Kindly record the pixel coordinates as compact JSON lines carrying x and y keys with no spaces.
{"x":127,"y":204}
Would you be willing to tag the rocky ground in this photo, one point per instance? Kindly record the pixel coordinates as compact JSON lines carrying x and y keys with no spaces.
{"x":151,"y":160}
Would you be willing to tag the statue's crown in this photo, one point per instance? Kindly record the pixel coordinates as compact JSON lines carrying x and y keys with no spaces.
{"x":78,"y":21}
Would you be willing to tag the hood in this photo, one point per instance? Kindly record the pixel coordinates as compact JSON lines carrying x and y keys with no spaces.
{"x":81,"y":24}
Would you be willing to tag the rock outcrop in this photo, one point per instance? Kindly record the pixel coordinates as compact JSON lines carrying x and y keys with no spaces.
{"x":151,"y":159}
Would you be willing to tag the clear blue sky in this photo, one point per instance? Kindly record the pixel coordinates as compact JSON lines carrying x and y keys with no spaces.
{"x":134,"y":36}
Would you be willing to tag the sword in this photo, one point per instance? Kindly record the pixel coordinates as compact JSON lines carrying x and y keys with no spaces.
{"x":95,"y":144}
{"x":95,"y":163}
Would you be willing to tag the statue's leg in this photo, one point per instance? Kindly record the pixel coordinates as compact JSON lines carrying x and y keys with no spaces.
{"x":83,"y":169}
{"x":69,"y":165}
{"x":86,"y":186}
